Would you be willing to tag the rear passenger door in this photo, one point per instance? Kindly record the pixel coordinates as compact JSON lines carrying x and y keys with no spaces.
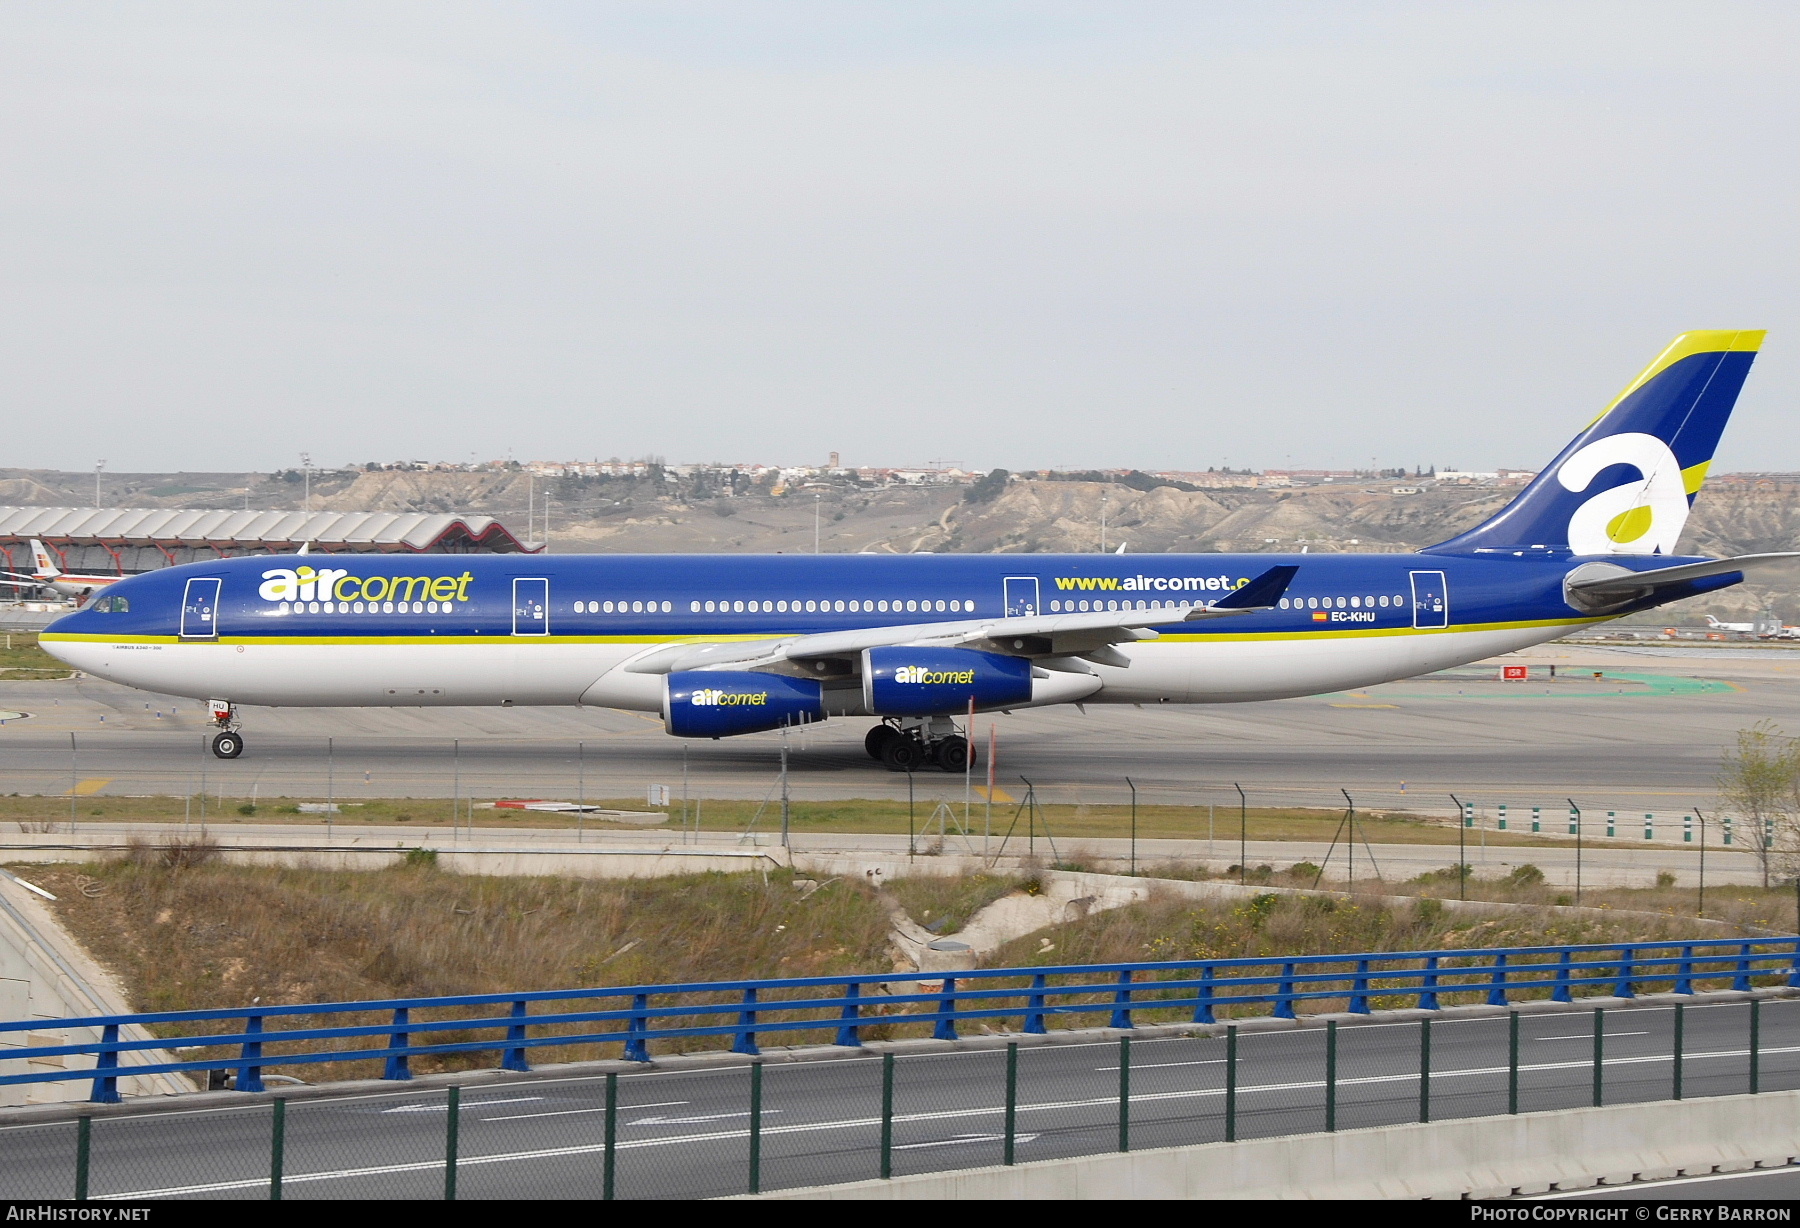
{"x":1431,"y":599}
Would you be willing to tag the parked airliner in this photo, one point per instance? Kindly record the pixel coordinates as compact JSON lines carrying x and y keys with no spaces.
{"x":733,"y":644}
{"x":64,"y":583}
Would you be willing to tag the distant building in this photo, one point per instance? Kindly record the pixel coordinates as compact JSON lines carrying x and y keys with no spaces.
{"x":131,"y":540}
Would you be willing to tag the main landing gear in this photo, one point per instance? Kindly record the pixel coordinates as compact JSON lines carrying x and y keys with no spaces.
{"x":913,"y":743}
{"x":228,"y":743}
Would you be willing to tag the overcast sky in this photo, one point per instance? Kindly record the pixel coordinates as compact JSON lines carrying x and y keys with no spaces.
{"x":1019,"y":234}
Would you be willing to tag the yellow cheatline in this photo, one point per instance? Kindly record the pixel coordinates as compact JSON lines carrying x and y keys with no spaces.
{"x":1713,"y":341}
{"x":92,"y":784}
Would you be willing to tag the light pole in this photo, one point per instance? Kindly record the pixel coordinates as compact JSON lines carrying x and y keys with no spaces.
{"x":1462,"y":857}
{"x":1576,"y":811}
{"x":1243,"y":835}
{"x":98,"y":466}
{"x":1103,"y":522}
{"x":306,"y":470}
{"x":817,"y":498}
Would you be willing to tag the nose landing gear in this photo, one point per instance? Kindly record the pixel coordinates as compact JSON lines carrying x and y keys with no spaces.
{"x":228,"y":743}
{"x":911,"y":743}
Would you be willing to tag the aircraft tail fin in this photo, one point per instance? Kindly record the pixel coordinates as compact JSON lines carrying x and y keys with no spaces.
{"x":1626,"y":483}
{"x":40,"y":557}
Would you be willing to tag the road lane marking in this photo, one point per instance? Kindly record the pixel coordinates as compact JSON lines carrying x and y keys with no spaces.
{"x":444,"y":1108}
{"x":695,"y":1121}
{"x":964,"y":1138}
{"x":1590,"y":1036}
{"x":1210,"y":1061}
{"x":671,"y":1140}
{"x":630,"y":1108}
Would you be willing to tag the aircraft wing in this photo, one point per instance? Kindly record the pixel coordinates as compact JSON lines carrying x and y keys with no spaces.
{"x":1622,"y":581}
{"x":1088,"y":634}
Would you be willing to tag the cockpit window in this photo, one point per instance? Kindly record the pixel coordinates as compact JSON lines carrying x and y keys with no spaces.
{"x":112,"y":605}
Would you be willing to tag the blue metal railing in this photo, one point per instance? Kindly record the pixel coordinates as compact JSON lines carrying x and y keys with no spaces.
{"x":741,"y":1010}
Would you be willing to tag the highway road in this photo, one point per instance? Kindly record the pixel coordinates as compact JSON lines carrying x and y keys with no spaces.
{"x":685,"y":1133}
{"x":1645,"y":737}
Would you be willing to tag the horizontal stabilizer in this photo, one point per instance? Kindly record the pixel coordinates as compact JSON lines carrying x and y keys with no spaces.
{"x":1262,"y":592}
{"x":1656,"y":577}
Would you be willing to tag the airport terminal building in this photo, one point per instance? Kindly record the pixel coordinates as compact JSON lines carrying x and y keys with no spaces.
{"x":113,"y":541}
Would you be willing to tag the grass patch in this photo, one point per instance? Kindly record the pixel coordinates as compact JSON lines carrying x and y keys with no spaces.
{"x":943,"y":904}
{"x":1066,"y":822}
{"x":1278,"y":926}
{"x":184,"y":932}
{"x":22,"y":659}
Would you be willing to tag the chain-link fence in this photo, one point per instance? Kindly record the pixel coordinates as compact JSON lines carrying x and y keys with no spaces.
{"x":775,"y":1124}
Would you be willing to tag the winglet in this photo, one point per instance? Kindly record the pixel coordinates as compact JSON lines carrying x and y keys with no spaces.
{"x":1262,"y":592}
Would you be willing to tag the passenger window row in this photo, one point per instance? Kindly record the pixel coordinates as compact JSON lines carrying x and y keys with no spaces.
{"x":1070,"y":607}
{"x":1341,"y":603}
{"x":815,"y":606}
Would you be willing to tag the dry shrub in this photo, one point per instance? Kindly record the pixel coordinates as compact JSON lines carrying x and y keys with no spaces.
{"x":205,"y":934}
{"x":179,"y":853}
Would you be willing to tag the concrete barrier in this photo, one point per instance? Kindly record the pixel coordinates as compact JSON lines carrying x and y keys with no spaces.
{"x":45,"y":975}
{"x":1482,"y":1157}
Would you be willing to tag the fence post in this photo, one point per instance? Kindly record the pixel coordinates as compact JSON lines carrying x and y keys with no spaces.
{"x":1599,"y":1055}
{"x":1741,"y":982}
{"x":1203,"y":1008}
{"x":1428,"y":1000}
{"x":1678,"y":1023}
{"x":1012,"y":1100}
{"x":635,"y":1048}
{"x":1623,"y":988}
{"x":609,"y":1168}
{"x":946,"y":1027}
{"x":1330,"y":1075}
{"x":745,"y":1041}
{"x":1561,"y":992}
{"x":84,"y":1137}
{"x":887,"y":1116}
{"x":398,"y":1065}
{"x":106,"y":1086}
{"x":277,"y":1146}
{"x":1794,"y":968}
{"x":250,"y":1057}
{"x":453,"y":1121}
{"x":1284,"y":996}
{"x":1684,"y":977}
{"x":756,"y":1127}
{"x":514,"y":1057}
{"x":1231,"y":1083}
{"x":1424,"y":1070}
{"x":1497,"y":990}
{"x":1034,"y":1007}
{"x":1124,"y":1093}
{"x":847,"y":1034}
{"x":1512,"y":1062}
{"x":1121,"y":1016}
{"x":1755,"y":1045}
{"x":1359,"y":989}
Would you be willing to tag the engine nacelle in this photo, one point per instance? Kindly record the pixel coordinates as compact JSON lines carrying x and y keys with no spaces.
{"x":925,"y":681}
{"x":706,"y":703}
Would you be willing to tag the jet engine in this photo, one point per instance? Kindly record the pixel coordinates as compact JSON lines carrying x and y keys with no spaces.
{"x":719,"y":703}
{"x":924,"y":681}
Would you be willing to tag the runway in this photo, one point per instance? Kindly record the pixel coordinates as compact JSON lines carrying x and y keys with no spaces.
{"x":685,"y":1133}
{"x":1646,"y":738}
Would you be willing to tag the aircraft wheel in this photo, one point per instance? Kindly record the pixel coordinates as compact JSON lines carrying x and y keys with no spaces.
{"x":952,"y":754}
{"x":877,"y":739}
{"x":228,"y":745}
{"x":902,"y":754}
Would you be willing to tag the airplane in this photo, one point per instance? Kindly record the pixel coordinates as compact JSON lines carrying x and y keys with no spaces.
{"x":64,"y":583}
{"x":723,"y":645}
{"x":1716,"y":625}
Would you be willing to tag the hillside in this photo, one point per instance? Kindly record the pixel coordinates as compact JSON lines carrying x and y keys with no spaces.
{"x":1736,"y":514}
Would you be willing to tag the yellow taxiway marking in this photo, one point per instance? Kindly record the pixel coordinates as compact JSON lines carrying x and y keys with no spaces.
{"x":1365,"y":705}
{"x":92,"y":784}
{"x":993,"y":795}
